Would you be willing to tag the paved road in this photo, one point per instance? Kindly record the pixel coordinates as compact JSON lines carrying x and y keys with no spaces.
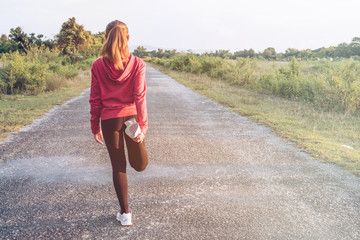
{"x":212,"y":175}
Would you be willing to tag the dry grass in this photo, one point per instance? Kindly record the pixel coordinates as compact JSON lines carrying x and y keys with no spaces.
{"x":18,"y":110}
{"x":315,"y":131}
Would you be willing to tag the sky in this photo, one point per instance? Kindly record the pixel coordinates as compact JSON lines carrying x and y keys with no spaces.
{"x":199,"y":25}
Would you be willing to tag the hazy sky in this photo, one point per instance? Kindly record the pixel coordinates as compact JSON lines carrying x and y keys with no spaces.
{"x":197,"y":24}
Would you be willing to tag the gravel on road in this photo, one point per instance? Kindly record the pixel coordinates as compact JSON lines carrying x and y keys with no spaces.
{"x":212,"y":174}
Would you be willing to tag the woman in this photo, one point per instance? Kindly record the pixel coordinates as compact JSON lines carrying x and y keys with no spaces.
{"x":118,"y":93}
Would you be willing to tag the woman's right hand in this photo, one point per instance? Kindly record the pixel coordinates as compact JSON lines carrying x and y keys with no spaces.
{"x":139,"y":138}
{"x":99,"y":138}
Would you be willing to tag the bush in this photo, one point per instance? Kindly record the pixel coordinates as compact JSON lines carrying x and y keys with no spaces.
{"x":22,"y":75}
{"x":3,"y":82}
{"x":243,"y":71}
{"x":329,"y":85}
{"x":69,"y":71}
{"x":40,"y":69}
{"x":86,"y":63}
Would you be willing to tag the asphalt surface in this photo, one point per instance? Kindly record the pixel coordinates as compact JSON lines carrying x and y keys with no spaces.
{"x":212,"y":175}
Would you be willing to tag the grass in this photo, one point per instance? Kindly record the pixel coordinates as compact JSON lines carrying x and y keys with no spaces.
{"x":19,"y":110}
{"x":320,"y":133}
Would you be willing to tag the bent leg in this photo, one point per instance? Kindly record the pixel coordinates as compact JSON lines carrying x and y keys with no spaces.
{"x":138,"y":157}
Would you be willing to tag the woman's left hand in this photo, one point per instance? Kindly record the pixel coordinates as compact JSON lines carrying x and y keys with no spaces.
{"x":99,"y":138}
{"x":139,"y":138}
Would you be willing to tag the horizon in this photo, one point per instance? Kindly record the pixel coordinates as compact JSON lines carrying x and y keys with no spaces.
{"x":200,"y":51}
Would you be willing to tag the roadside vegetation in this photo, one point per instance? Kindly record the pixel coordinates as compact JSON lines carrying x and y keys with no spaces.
{"x":18,"y":110}
{"x":311,"y":97}
{"x":36,"y":74}
{"x":313,"y":103}
{"x":327,"y":85}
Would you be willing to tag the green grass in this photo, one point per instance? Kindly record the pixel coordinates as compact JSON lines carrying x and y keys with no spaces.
{"x":334,"y":86}
{"x":19,"y":110}
{"x":317,"y":132}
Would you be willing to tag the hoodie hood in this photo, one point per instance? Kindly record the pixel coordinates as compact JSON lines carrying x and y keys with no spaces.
{"x":118,"y":76}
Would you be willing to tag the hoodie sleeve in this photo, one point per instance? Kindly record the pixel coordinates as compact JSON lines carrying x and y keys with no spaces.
{"x":95,"y":103}
{"x":140,"y":97}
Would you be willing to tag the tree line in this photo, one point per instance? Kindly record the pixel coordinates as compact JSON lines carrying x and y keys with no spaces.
{"x":31,"y":64}
{"x":343,"y":50}
{"x":71,"y":40}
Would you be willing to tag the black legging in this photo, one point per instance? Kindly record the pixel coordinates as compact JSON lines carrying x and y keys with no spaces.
{"x":113,"y":132}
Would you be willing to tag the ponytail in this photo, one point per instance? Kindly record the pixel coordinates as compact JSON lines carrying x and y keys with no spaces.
{"x":116,"y":47}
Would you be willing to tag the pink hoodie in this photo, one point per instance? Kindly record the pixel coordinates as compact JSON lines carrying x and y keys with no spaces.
{"x":115,"y":93}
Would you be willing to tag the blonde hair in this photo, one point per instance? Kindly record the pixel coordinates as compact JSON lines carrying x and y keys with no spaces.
{"x":116,"y":47}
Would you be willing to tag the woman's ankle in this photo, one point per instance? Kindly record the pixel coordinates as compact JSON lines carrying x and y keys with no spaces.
{"x":128,"y":210}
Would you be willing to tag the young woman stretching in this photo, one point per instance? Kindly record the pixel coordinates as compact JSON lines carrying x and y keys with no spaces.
{"x":118,"y":93}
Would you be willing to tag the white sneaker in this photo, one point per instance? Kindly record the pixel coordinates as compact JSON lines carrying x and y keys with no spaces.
{"x":124,"y":218}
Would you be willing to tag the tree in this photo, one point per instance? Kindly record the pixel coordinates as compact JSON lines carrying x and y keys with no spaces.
{"x":355,"y":42}
{"x":222,"y":53}
{"x":96,"y":42}
{"x":355,"y":46}
{"x":140,"y":51}
{"x":24,"y":41}
{"x":4,"y":38}
{"x":49,"y":43}
{"x":160,"y":53}
{"x":98,"y":38}
{"x":35,"y":40}
{"x":169,"y":53}
{"x":269,"y":53}
{"x":244,"y":54}
{"x":72,"y":37}
{"x":291,"y":52}
{"x":343,"y":50}
{"x":7,"y":45}
{"x":18,"y":36}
